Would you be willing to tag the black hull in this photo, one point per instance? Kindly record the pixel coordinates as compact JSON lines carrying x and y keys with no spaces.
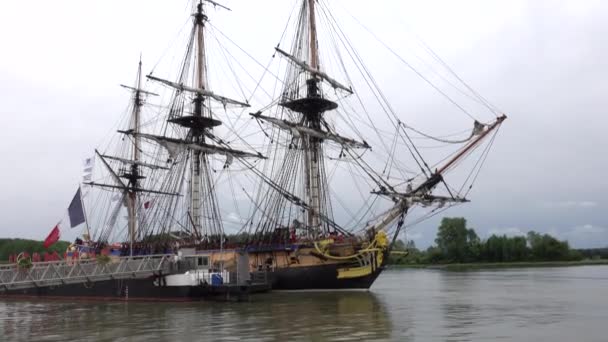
{"x":316,"y":277}
{"x":135,"y":290}
{"x":319,"y":277}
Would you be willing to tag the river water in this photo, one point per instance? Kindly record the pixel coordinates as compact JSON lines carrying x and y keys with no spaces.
{"x":534,"y":304}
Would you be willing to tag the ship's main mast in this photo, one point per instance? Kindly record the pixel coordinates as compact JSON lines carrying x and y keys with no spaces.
{"x":198,"y":140}
{"x":312,"y":21}
{"x":194,"y":142}
{"x":197,"y":134}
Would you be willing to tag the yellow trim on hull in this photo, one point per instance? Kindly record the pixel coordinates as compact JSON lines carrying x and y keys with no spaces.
{"x":379,"y":244}
{"x":354,"y":272}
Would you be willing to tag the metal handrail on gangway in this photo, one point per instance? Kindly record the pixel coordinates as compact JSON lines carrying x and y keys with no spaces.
{"x":57,"y":273}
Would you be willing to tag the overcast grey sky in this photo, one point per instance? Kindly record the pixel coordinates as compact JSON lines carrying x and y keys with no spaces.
{"x":545,"y":63}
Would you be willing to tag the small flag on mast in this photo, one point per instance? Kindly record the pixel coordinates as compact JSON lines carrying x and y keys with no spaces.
{"x":76,"y":210}
{"x":87,"y":169}
{"x":52,"y":237}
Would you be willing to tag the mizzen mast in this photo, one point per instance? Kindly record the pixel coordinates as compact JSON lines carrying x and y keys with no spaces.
{"x":135,"y":176}
{"x":131,"y":167}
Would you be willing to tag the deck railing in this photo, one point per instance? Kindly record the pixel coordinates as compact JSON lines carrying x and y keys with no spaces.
{"x":57,"y":273}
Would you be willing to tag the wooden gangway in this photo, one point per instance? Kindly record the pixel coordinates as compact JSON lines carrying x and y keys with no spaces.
{"x":57,"y":273}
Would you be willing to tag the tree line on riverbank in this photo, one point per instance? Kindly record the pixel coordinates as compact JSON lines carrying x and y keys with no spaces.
{"x":456,"y":243}
{"x":16,"y":246}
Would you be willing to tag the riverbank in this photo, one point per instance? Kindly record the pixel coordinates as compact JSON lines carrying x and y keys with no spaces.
{"x":495,"y":265}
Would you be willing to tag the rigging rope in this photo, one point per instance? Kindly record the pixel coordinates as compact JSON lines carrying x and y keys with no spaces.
{"x":411,"y":67}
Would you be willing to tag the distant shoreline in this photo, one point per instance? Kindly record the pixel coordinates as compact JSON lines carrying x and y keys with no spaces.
{"x":496,"y":265}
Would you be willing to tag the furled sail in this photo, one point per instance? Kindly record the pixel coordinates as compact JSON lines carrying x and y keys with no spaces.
{"x":177,"y":146}
{"x":298,"y":130}
{"x":315,"y":72}
{"x":202,"y":92}
{"x":135,"y":162}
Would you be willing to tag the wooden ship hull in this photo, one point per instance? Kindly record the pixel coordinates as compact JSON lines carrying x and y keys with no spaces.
{"x":320,"y":277}
{"x":322,"y":266}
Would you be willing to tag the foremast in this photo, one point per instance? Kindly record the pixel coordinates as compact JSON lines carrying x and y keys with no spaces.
{"x":305,"y":107}
{"x":199,"y":159}
{"x":312,"y":107}
{"x":310,"y":131}
{"x":313,"y":120}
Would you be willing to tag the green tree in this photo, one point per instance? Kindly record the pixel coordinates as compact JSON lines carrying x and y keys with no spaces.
{"x":547,"y":248}
{"x":505,"y":249}
{"x":456,"y":242}
{"x":432,"y":255}
{"x":519,"y":249}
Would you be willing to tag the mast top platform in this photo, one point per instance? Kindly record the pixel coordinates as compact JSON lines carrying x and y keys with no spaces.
{"x":310,"y":105}
{"x":313,"y":103}
{"x":196,"y":122}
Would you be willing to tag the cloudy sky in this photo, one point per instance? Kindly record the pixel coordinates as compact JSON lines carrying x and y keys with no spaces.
{"x":544,"y":63}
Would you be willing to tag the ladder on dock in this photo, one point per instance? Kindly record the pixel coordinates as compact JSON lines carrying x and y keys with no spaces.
{"x":57,"y":273}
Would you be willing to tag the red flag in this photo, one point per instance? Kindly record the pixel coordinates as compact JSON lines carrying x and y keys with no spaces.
{"x":52,"y":238}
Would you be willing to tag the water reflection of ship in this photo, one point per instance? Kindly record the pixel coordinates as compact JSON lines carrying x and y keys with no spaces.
{"x":274,"y":317}
{"x":324,"y":316}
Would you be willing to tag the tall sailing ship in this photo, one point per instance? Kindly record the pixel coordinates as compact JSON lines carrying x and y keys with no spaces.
{"x":170,"y":171}
{"x":293,"y":230}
